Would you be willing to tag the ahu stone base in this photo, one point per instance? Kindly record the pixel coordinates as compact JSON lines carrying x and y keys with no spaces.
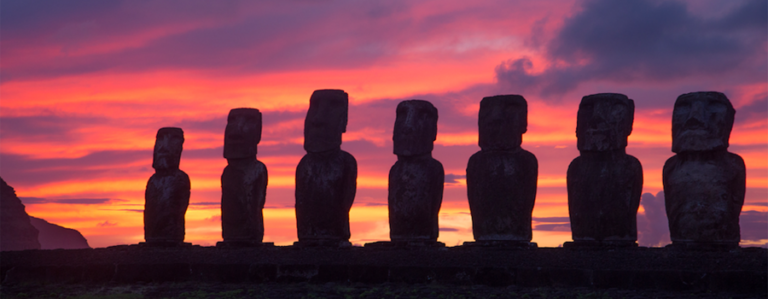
{"x":737,"y":270}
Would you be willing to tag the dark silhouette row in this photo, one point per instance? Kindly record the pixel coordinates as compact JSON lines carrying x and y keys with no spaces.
{"x":704,"y":184}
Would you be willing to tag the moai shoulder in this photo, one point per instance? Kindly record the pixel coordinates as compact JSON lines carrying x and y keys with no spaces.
{"x":502,"y":177}
{"x":416,"y":180}
{"x":167,"y":192}
{"x":326,"y":177}
{"x":243,"y":182}
{"x":704,"y":184}
{"x":604,"y":183}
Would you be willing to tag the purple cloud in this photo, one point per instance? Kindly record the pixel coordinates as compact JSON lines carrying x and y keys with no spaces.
{"x":558,"y":224}
{"x":652,"y":227}
{"x":754,"y":225}
{"x":643,"y":40}
{"x":451,"y":178}
{"x":238,"y":36}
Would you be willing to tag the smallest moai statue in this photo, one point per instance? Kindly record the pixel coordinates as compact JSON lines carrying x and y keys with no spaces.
{"x":604,"y":183}
{"x":243,"y":182}
{"x":704,"y":184}
{"x":167,"y":193}
{"x":326,"y":177}
{"x":501,"y":177}
{"x":416,"y":180}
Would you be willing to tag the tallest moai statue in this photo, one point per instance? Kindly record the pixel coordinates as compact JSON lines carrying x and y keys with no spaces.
{"x":604,"y":183}
{"x":326,"y":177}
{"x":416,"y":180}
{"x":704,"y":184}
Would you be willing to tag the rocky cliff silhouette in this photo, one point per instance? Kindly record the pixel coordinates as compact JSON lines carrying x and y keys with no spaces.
{"x":19,"y":231}
{"x":16,"y":231}
{"x":54,"y":236}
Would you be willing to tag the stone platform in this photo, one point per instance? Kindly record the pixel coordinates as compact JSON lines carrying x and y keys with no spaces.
{"x":742,"y":269}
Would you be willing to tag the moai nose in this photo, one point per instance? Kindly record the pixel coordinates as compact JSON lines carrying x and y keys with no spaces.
{"x":697,"y":110}
{"x":697,"y":117}
{"x":409,"y":123}
{"x":597,"y":121}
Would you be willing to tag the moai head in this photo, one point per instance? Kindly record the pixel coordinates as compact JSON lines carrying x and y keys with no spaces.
{"x":502,"y":121}
{"x":168,"y":146}
{"x":326,"y":120}
{"x":604,"y":122}
{"x":415,"y":128}
{"x":243,"y":133}
{"x":701,"y":121}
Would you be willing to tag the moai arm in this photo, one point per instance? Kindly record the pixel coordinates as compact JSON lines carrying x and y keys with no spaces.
{"x":637,"y":183}
{"x":669,"y":206}
{"x":149,"y":216}
{"x":261,"y":185}
{"x":740,"y":182}
{"x":437,"y":200}
{"x":533,"y":181}
{"x":184,"y":194}
{"x":573,"y":181}
{"x":350,"y":180}
{"x":301,"y":194}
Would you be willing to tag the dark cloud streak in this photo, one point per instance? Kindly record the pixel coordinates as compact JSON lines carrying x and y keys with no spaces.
{"x":643,"y":40}
{"x":74,"y":201}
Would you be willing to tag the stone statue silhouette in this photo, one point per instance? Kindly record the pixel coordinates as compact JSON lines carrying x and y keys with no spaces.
{"x":326,"y":177}
{"x":501,"y":177}
{"x":416,"y":179}
{"x":704,"y":184}
{"x":604,"y":183}
{"x":167,"y":192}
{"x":244,"y":180}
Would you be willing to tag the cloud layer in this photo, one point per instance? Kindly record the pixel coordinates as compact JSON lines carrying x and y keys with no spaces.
{"x":641,"y":40}
{"x":85,"y":86}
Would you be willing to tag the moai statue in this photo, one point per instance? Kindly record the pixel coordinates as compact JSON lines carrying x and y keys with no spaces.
{"x":416,"y":179}
{"x":501,"y":177}
{"x":244,"y":181}
{"x":604,"y":183}
{"x":326,"y":177}
{"x":167,"y":193}
{"x":704,"y":184}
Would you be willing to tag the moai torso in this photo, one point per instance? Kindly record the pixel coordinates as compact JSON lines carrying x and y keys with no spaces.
{"x":326,"y":177}
{"x":704,"y":184}
{"x":604,"y":183}
{"x":167,"y":193}
{"x":501,"y":178}
{"x":244,"y":180}
{"x":416,"y":180}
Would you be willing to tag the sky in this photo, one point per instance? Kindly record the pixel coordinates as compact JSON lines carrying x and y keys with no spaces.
{"x":85,"y":85}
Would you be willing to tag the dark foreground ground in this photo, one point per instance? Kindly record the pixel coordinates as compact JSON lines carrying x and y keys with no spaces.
{"x":336,"y":290}
{"x":287,"y":272}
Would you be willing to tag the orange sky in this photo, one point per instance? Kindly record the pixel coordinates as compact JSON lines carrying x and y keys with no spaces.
{"x":83,"y":94}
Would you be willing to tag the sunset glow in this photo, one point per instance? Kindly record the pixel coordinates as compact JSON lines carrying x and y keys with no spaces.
{"x":84,"y":89}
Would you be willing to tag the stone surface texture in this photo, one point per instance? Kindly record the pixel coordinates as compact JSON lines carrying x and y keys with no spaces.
{"x":244,"y":180}
{"x":704,"y":184}
{"x":16,"y":231}
{"x":604,"y":183}
{"x":167,"y":193}
{"x":54,"y":236}
{"x":502,"y":177}
{"x":416,"y":180}
{"x":326,"y":177}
